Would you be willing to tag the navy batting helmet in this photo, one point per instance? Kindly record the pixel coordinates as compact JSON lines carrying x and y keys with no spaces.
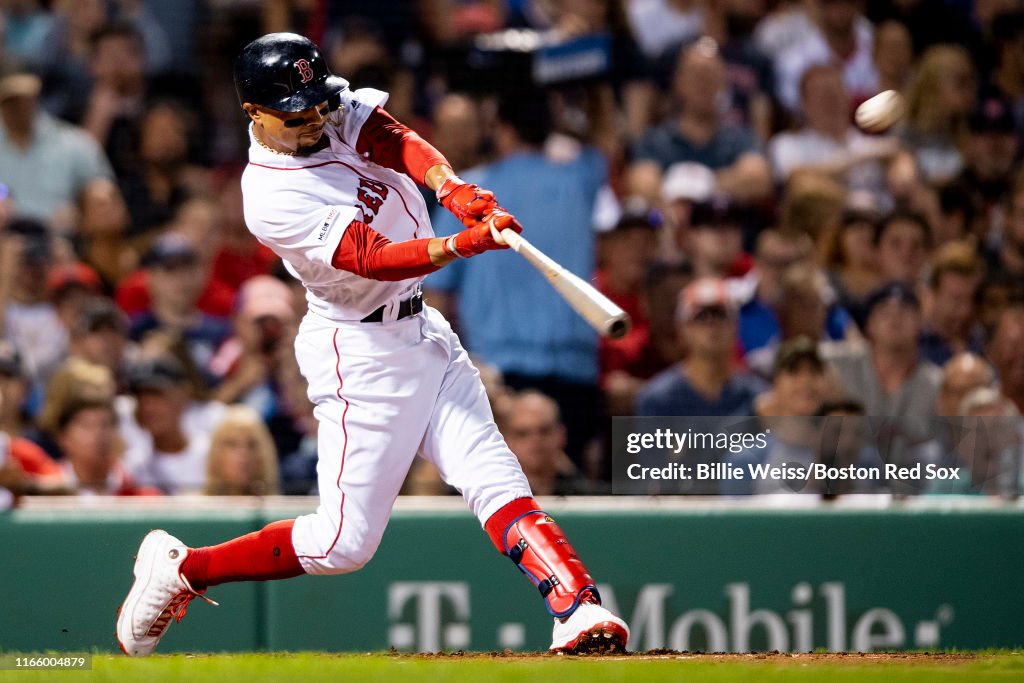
{"x":285,"y":72}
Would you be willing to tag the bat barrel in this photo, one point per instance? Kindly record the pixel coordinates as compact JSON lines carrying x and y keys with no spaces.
{"x":598,"y":310}
{"x":617,"y":328}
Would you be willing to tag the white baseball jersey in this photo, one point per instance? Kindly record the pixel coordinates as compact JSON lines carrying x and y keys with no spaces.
{"x":383,"y":391}
{"x":299,"y":207}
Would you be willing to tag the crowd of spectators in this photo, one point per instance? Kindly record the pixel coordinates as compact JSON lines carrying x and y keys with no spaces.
{"x":696,"y":159}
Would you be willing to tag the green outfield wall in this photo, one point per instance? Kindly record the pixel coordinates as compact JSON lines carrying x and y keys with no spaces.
{"x":687,"y":577}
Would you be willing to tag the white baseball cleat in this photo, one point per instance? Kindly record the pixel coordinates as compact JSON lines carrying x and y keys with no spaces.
{"x":160,"y":593}
{"x":591,"y":629}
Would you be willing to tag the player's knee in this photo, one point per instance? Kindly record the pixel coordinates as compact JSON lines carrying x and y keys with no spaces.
{"x":338,"y":550}
{"x":359,"y":558}
{"x":347,"y":560}
{"x":328,"y":568}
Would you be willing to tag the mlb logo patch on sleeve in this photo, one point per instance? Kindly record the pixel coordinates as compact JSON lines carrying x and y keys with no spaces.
{"x":327,"y":224}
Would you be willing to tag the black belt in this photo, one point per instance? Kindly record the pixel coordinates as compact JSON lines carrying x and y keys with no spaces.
{"x":408,"y":307}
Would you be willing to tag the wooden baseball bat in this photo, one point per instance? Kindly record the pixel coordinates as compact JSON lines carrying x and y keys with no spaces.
{"x":598,"y":310}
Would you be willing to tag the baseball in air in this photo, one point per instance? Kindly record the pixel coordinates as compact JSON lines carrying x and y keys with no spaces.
{"x":880,"y":113}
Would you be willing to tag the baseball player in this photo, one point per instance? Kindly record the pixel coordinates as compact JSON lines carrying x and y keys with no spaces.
{"x":331,"y":188}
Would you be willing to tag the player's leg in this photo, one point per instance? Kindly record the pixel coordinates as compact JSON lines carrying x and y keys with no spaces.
{"x":522,"y":531}
{"x":364,"y":459}
{"x":373,"y":404}
{"x":471,"y":455}
{"x":369,"y":405}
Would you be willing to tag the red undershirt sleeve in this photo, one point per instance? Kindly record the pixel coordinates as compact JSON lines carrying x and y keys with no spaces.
{"x":394,"y":146}
{"x":369,"y":254}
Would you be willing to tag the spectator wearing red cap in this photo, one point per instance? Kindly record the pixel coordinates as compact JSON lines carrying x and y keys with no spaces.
{"x":707,"y":381}
{"x":263,"y":325}
{"x":257,"y":365}
{"x":70,"y":286}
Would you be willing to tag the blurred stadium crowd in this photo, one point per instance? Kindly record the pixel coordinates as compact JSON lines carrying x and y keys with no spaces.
{"x":696,"y":158}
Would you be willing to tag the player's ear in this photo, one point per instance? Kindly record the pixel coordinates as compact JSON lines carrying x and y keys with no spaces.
{"x":252,"y":110}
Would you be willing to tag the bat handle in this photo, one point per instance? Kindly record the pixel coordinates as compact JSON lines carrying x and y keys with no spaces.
{"x":512,"y":238}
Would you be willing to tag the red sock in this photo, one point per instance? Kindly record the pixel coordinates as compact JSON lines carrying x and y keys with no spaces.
{"x":497,"y":523}
{"x":260,"y":556}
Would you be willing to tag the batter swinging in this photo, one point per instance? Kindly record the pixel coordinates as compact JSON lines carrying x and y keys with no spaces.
{"x":330,"y":189}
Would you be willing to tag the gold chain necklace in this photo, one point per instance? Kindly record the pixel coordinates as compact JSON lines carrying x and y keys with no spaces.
{"x":269,"y":148}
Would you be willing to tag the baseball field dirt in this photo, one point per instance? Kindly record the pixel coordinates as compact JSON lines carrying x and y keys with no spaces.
{"x":519,"y":667}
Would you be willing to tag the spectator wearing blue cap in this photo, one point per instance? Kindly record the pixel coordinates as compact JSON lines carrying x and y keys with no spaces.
{"x":990,"y":150}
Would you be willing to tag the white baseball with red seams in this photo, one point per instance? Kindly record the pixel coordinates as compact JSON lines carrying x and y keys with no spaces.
{"x":383,"y":391}
{"x":881,"y":112}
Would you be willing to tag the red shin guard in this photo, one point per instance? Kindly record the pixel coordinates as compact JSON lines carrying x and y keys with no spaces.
{"x":260,"y":556}
{"x":523,"y":532}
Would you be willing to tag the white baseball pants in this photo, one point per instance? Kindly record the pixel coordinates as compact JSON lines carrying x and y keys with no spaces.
{"x":383,"y":392}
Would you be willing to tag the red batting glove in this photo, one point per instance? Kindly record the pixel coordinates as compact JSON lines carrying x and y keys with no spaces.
{"x":467,"y":201}
{"x":482,"y":236}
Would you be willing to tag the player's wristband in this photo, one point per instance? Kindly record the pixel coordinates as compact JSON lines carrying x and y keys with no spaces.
{"x":449,"y":247}
{"x":450,"y":184}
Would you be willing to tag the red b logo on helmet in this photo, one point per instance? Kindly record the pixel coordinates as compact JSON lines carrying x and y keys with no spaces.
{"x":305,"y":70}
